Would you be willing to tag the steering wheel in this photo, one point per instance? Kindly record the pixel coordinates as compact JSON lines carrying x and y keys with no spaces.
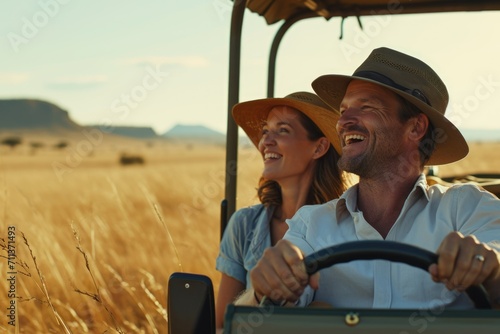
{"x":385,"y":250}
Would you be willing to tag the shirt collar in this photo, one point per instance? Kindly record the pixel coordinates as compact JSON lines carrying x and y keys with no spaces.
{"x":422,"y":184}
{"x":347,"y":202}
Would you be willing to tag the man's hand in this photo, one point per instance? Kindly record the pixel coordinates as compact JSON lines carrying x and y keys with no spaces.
{"x":281,"y":274}
{"x":464,"y":261}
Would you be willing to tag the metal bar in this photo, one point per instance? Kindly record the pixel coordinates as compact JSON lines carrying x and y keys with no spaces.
{"x":233,"y":98}
{"x":271,"y":74}
{"x":223,"y":216}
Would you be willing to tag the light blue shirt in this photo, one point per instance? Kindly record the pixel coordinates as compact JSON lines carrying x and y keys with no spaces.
{"x":245,"y":238}
{"x":429,"y":214}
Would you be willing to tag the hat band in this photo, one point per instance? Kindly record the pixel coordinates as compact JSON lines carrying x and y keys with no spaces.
{"x":389,"y":82}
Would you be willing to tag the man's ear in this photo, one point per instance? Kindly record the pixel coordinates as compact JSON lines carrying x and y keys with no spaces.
{"x":322,"y":147}
{"x":419,"y":126}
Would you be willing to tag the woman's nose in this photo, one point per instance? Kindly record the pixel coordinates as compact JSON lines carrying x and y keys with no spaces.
{"x":269,"y":138}
{"x":266,"y":140}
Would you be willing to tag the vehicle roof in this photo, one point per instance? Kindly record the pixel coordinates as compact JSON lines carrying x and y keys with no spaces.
{"x":274,"y":11}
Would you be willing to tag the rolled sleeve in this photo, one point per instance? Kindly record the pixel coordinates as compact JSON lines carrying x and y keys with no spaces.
{"x":228,"y":266}
{"x":230,"y":259}
{"x":244,"y":240}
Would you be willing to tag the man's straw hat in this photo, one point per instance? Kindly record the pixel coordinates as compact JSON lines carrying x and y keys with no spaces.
{"x":251,"y":115}
{"x":415,"y":82}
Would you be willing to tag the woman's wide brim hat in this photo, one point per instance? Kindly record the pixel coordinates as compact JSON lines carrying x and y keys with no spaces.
{"x":251,"y":115}
{"x":415,"y":82}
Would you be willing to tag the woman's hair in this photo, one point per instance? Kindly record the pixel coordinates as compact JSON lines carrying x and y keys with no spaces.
{"x":328,"y":180}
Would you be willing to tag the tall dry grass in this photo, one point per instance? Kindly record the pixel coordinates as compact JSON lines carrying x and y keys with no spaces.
{"x":96,"y":246}
{"x":100,"y":244}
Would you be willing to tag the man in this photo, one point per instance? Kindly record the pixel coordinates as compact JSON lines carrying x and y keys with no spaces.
{"x":392,"y":124}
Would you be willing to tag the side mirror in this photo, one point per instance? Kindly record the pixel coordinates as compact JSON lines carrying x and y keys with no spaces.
{"x":190,"y":304}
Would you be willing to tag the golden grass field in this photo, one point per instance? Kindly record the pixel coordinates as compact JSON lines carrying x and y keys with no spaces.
{"x":101,"y":239}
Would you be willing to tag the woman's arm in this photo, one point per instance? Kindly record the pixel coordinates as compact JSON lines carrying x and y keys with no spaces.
{"x":229,"y":289}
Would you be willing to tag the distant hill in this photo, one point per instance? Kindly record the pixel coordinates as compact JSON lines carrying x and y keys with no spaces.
{"x":195,"y":133}
{"x":140,"y":132}
{"x":29,"y":114}
{"x":24,"y":116}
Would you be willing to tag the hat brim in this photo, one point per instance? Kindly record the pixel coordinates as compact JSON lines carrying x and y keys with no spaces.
{"x":251,"y":115}
{"x":451,"y":146}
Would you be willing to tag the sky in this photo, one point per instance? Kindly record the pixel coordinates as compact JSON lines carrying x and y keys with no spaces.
{"x":159,"y":63}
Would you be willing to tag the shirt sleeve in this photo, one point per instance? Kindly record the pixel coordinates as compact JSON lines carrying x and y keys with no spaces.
{"x":478,"y":214}
{"x":230,"y":260}
{"x":296,"y":234}
{"x":298,"y":226}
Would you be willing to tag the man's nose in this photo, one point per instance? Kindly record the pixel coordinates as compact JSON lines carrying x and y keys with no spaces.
{"x":347,"y":117}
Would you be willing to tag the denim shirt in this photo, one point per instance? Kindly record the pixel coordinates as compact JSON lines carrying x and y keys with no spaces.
{"x":245,"y":238}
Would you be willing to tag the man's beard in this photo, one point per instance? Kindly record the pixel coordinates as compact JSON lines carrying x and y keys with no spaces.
{"x":361,"y":165}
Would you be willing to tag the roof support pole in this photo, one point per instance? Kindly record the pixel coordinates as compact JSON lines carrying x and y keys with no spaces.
{"x":271,"y":74}
{"x":228,"y":205}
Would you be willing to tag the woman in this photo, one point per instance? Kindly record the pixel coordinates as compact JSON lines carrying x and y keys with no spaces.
{"x":298,"y":142}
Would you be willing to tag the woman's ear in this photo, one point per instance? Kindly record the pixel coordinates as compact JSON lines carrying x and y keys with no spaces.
{"x":419,"y":126}
{"x":322,"y":147}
